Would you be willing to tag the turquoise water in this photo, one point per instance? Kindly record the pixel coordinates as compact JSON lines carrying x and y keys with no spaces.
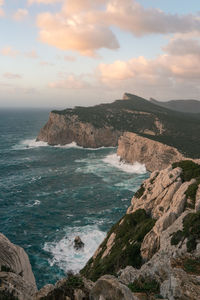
{"x":48,"y":195}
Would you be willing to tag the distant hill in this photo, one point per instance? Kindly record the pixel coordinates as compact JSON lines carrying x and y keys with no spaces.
{"x":101,"y":125}
{"x":186,"y":106}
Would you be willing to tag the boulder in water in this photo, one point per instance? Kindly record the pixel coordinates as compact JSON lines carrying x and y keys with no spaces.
{"x":78,"y":244}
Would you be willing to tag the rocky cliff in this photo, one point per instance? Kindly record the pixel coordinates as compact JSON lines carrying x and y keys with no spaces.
{"x":152,"y":252}
{"x":155,"y":155}
{"x":101,"y":125}
{"x":64,"y":129}
{"x":16,"y":277}
{"x":158,"y":241}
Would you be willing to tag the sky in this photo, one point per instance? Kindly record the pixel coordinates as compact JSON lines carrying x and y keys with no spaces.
{"x":62,"y":53}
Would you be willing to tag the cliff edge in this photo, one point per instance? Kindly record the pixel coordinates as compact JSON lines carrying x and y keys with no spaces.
{"x":155,"y":248}
{"x":16,"y":277}
{"x":102,"y":125}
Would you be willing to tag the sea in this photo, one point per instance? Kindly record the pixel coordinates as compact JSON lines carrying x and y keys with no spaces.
{"x":50,"y":194}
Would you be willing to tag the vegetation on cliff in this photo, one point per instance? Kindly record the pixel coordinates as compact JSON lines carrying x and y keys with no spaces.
{"x":191,"y":231}
{"x":129,"y":234}
{"x":137,"y":115}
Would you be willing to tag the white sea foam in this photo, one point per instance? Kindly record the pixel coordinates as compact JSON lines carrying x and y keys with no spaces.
{"x":36,"y":202}
{"x":32,"y":143}
{"x":63,"y":252}
{"x":114,"y":160}
{"x":29,"y":144}
{"x":74,"y":145}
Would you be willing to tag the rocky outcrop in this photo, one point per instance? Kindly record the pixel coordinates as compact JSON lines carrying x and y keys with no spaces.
{"x":152,"y":252}
{"x":155,"y":155}
{"x":16,"y":274}
{"x":109,"y":288}
{"x":168,"y":238}
{"x":78,"y":244}
{"x":73,"y":287}
{"x":64,"y":129}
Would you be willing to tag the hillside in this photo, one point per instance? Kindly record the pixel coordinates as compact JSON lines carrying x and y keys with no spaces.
{"x":186,"y":106}
{"x":102,"y":125}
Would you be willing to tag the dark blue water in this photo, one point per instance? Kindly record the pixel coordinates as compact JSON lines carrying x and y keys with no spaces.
{"x":48,"y":195}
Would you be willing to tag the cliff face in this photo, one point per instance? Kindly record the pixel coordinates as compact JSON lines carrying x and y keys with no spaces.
{"x":64,"y":129}
{"x":101,"y":125}
{"x":158,"y":239}
{"x":155,"y":155}
{"x":152,"y":252}
{"x":16,"y":277}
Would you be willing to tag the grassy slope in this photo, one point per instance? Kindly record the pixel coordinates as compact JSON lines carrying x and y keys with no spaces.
{"x":182,"y":130}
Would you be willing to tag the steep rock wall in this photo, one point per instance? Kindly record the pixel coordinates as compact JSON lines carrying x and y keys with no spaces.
{"x":155,"y":155}
{"x":65,"y":129}
{"x":16,"y":274}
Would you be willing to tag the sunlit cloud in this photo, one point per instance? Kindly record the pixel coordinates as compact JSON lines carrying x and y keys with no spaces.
{"x":44,"y":1}
{"x":70,"y":82}
{"x":12,"y":76}
{"x":20,"y":14}
{"x":86,"y":26}
{"x":32,"y":54}
{"x":69,"y":58}
{"x":9,"y":51}
{"x":74,"y":34}
{"x":131,"y":16}
{"x":2,"y":12}
{"x":177,"y":71}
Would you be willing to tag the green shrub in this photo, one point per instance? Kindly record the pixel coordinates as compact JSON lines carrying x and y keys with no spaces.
{"x":189,"y":169}
{"x":191,"y":231}
{"x":177,"y":237}
{"x":144,"y":285}
{"x":191,"y":193}
{"x":140,"y":192}
{"x":191,"y":265}
{"x":5,"y":269}
{"x":130,"y":232}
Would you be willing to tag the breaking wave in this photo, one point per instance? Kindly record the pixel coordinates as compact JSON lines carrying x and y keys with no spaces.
{"x":114,"y":160}
{"x":64,"y":254}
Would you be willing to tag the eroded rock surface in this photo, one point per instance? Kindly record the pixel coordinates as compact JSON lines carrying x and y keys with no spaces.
{"x":16,"y":274}
{"x":65,"y":129}
{"x":155,"y":155}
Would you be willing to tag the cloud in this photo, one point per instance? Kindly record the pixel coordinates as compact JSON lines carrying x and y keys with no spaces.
{"x":70,"y":82}
{"x":69,"y":58}
{"x":176,"y":72}
{"x":87,"y":26}
{"x":79,"y":6}
{"x":131,"y":16}
{"x":20,"y":14}
{"x":2,"y":13}
{"x":32,"y":54}
{"x":9,"y":51}
{"x":183,"y":46}
{"x":12,"y":76}
{"x":46,"y":63}
{"x":43,"y":1}
{"x":74,"y":34}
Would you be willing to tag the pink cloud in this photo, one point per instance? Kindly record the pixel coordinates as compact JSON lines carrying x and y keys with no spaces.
{"x":74,"y":34}
{"x":43,"y":1}
{"x":9,"y":51}
{"x":12,"y":76}
{"x":20,"y":14}
{"x":70,"y":82}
